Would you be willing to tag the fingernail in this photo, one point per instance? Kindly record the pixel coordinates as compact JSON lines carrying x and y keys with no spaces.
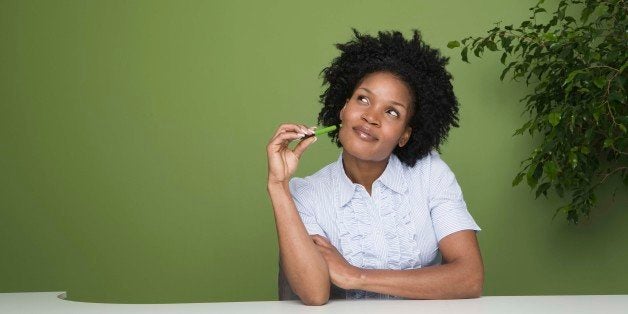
{"x":315,"y":139}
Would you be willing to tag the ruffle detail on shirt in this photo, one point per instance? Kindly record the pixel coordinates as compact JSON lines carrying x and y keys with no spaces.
{"x":402,"y":248}
{"x":358,"y":242}
{"x":356,"y":232}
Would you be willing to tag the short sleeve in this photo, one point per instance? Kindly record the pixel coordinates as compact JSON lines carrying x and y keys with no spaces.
{"x":447,"y":206}
{"x":302,"y":194}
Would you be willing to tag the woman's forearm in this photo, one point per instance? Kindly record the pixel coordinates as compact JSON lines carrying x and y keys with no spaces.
{"x":455,"y":280}
{"x":303,"y":265}
{"x":460,"y":276}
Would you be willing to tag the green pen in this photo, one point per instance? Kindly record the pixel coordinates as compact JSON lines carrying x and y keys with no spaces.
{"x":323,"y":131}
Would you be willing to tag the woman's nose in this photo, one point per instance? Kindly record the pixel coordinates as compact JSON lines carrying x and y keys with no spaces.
{"x":370,"y":117}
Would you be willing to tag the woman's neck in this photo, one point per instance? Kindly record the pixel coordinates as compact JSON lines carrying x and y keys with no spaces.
{"x":363,"y":172}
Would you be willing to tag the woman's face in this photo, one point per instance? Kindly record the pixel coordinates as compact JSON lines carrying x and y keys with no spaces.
{"x":375,"y":119}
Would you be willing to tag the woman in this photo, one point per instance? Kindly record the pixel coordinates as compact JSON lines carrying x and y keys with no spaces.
{"x":387,"y":219}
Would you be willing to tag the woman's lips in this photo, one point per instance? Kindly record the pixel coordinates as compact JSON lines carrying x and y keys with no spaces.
{"x":364,"y":134}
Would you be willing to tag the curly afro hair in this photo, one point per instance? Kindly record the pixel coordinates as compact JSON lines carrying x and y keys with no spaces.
{"x":422,"y":68}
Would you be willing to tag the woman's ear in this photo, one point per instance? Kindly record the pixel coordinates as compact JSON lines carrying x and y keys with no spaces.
{"x":343,"y":110}
{"x":405,"y":137}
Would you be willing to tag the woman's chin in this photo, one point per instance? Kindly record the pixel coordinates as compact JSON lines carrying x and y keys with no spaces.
{"x":362,"y":154}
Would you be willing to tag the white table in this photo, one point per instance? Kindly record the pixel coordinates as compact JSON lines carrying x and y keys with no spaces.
{"x":49,"y":302}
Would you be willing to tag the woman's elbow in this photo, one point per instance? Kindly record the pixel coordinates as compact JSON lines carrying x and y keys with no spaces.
{"x":475,"y":287}
{"x":315,"y":300}
{"x":476,"y":291}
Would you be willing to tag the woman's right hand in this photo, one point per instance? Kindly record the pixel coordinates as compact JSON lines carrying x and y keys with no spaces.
{"x":283,"y":161}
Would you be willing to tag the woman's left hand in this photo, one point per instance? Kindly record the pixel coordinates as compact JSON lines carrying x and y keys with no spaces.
{"x":343,"y":274}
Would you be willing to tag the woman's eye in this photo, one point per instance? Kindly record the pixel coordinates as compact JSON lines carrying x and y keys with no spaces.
{"x":363,"y":99}
{"x":393,"y":113}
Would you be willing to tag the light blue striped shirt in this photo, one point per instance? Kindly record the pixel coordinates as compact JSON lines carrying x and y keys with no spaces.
{"x":398,"y":226}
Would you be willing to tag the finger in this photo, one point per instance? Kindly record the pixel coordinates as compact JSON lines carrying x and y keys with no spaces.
{"x":298,"y":133}
{"x":283,"y":129}
{"x":305,"y":129}
{"x":281,"y":142}
{"x":303,"y":145}
{"x":316,"y":237}
{"x":288,"y":127}
{"x":322,"y":241}
{"x":325,"y":240}
{"x":284,"y":138}
{"x":323,"y":250}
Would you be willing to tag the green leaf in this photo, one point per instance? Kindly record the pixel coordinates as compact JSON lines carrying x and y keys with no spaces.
{"x":501,"y":77}
{"x":550,"y":169}
{"x":559,"y":190}
{"x":552,"y":22}
{"x":585,"y":150}
{"x":463,"y":54}
{"x":478,"y":50}
{"x":586,"y":13}
{"x":599,"y":81}
{"x":608,"y":142}
{"x":534,"y":174}
{"x":453,"y":44}
{"x":617,"y":96}
{"x":523,"y":128}
{"x":554,"y":118}
{"x":549,"y":36}
{"x":569,"y":20}
{"x":518,"y":179}
{"x":573,"y":160}
{"x":571,"y":124}
{"x":542,"y":189}
{"x":564,"y":209}
{"x":503,"y":58}
{"x":588,"y":135}
{"x":491,"y":46}
{"x":623,"y":67}
{"x":572,"y":75}
{"x":506,"y":41}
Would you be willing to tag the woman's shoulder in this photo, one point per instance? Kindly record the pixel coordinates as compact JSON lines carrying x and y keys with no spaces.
{"x":428,"y":171}
{"x":427,"y":165}
{"x":321,"y":179}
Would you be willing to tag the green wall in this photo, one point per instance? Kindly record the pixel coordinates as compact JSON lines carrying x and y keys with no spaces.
{"x":133,"y":133}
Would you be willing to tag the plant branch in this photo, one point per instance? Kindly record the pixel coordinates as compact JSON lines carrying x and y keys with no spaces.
{"x":610,"y":173}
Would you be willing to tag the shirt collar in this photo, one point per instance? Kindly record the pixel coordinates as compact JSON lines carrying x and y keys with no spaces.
{"x":393,"y":178}
{"x":346,"y":186}
{"x":394,"y":175}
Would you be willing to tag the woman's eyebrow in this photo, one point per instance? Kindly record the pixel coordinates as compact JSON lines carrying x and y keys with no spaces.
{"x":394,"y":103}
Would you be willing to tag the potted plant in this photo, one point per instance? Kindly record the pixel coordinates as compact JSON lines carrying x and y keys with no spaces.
{"x":577,"y":66}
